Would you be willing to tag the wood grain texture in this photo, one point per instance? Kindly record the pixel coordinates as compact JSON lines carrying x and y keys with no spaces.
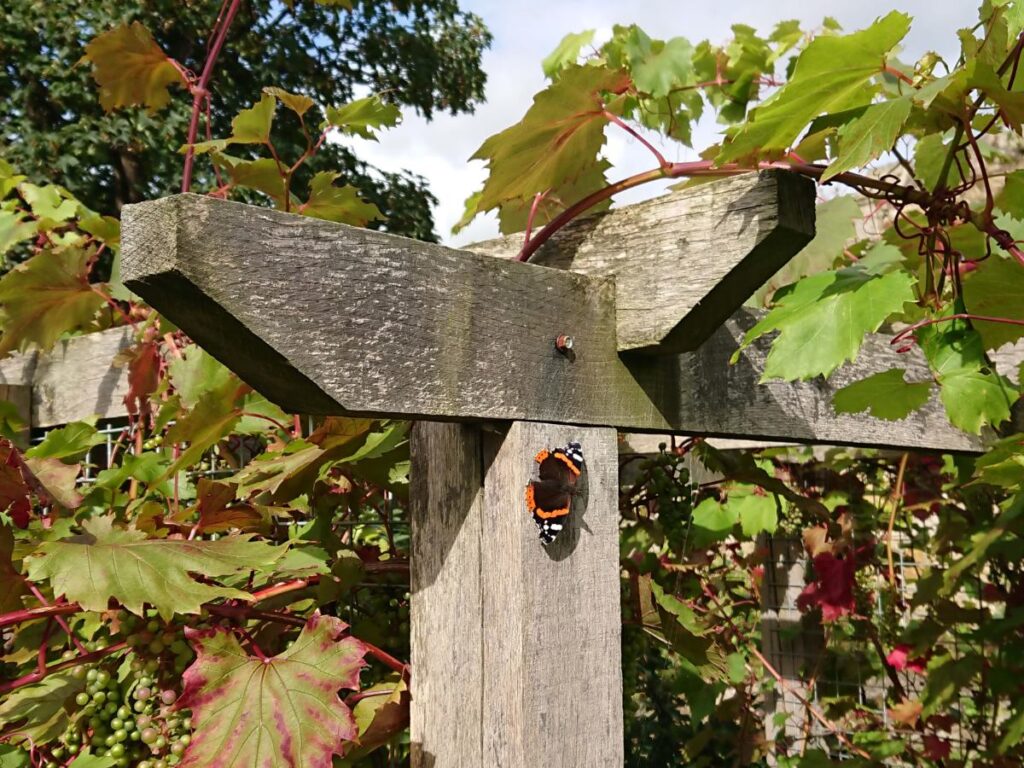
{"x":683,"y":262}
{"x":323,"y":318}
{"x":552,"y":692}
{"x":446,"y":506}
{"x":74,"y":380}
{"x":515,"y":647}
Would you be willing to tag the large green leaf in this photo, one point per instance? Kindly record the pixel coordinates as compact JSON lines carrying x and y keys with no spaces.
{"x":196,"y":373}
{"x":886,"y":395}
{"x":832,"y":74}
{"x":45,"y":297}
{"x":274,"y":713}
{"x":557,"y":139}
{"x":823,"y":318}
{"x":15,"y":227}
{"x":996,"y":290}
{"x":35,"y":714}
{"x":106,"y":562}
{"x":658,"y":67}
{"x":130,"y":68}
{"x":972,"y":393}
{"x":869,"y":136}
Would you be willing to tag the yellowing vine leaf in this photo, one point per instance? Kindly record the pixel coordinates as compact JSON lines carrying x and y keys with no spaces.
{"x":45,"y":297}
{"x":131,"y":69}
{"x":557,"y":139}
{"x":106,"y":562}
{"x":35,"y":714}
{"x":278,"y":712}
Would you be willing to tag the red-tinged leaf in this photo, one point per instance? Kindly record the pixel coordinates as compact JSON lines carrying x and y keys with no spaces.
{"x":131,"y":69}
{"x":336,"y":430}
{"x":277,"y":712}
{"x":57,"y":480}
{"x":832,"y":588}
{"x":218,"y":512}
{"x":143,"y":378}
{"x":899,"y":659}
{"x":556,"y":141}
{"x":45,"y":297}
{"x":14,"y":489}
{"x":936,"y":747}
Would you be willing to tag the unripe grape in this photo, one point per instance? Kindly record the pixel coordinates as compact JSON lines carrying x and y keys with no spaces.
{"x":142,"y":693}
{"x":149,"y":735}
{"x":117,"y":750}
{"x":177,"y":749}
{"x":102,"y":677}
{"x":117,"y":723}
{"x":168,"y":696}
{"x":82,"y":699}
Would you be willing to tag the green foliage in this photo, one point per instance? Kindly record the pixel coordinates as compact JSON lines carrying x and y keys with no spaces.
{"x":886,"y":395}
{"x":106,"y":562}
{"x":425,"y":56}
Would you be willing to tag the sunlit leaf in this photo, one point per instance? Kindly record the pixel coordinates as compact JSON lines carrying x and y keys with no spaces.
{"x":996,"y":289}
{"x":71,"y":441}
{"x":45,"y":297}
{"x":107,"y":562}
{"x":297,"y":103}
{"x":131,"y":69}
{"x":364,"y":117}
{"x":869,"y":136}
{"x":343,"y":204}
{"x":277,"y":712}
{"x":566,"y":52}
{"x":832,"y":74}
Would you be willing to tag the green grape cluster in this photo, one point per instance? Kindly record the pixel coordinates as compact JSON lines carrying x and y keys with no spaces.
{"x":126,"y":712}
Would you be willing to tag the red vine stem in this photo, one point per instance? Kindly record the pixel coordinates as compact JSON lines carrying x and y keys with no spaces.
{"x":708,"y":168}
{"x":199,"y":90}
{"x":959,"y":316}
{"x":636,"y":135}
{"x":385,"y":658}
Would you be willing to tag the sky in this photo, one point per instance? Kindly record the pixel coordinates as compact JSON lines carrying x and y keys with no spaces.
{"x":527,"y":30}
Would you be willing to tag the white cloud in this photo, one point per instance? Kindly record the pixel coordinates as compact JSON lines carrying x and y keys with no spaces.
{"x":527,"y":30}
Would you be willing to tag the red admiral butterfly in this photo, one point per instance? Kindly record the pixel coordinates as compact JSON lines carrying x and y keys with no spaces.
{"x":549,"y":498}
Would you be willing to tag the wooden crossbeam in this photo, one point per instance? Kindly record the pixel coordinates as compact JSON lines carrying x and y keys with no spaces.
{"x":324,"y":318}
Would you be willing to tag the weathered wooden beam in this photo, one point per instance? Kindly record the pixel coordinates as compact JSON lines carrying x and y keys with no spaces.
{"x":324,"y":318}
{"x":73,"y":381}
{"x":516,"y":646}
{"x":684,"y":261}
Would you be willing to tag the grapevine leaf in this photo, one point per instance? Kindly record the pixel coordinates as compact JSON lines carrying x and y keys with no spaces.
{"x":566,"y":52}
{"x":275,"y":712}
{"x":13,"y":757}
{"x":45,"y":297}
{"x":831,"y":75}
{"x":143,"y":377}
{"x":866,"y":138}
{"x":130,"y":68}
{"x":262,"y":174}
{"x":1010,"y":103}
{"x":58,"y":480}
{"x":252,"y":125}
{"x":657,"y":67}
{"x":557,"y":139}
{"x":296,"y":102}
{"x":50,"y":204}
{"x":364,"y":117}
{"x":8,"y":178}
{"x":757,"y":513}
{"x":381,"y":714}
{"x":1011,"y":199}
{"x":69,"y":442}
{"x":35,"y":714}
{"x":86,"y":759}
{"x":712,"y":521}
{"x":972,"y":393}
{"x":332,"y":203}
{"x":196,"y":373}
{"x":996,"y":290}
{"x":15,"y":228}
{"x":514,"y":214}
{"x":833,"y":229}
{"x":213,"y":418}
{"x":106,"y":562}
{"x":10,"y":596}
{"x":823,"y":318}
{"x":886,"y":395}
{"x":976,"y":398}
{"x":832,"y":587}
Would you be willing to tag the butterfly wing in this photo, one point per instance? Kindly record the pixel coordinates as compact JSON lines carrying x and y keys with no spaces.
{"x":549,"y":498}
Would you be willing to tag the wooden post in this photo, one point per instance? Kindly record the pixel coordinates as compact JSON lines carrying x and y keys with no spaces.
{"x":516,"y":646}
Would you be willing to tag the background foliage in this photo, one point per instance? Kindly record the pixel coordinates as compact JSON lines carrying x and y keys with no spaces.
{"x":295,"y":552}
